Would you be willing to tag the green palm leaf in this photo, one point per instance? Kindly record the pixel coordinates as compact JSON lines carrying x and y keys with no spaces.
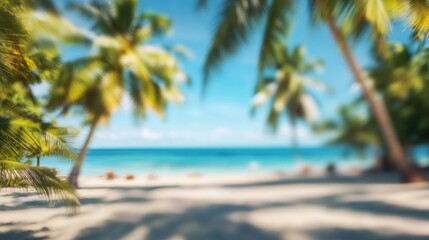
{"x":236,"y":20}
{"x":43,"y":180}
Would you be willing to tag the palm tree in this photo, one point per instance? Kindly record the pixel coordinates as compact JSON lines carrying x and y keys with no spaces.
{"x":343,"y":18}
{"x":377,"y":16}
{"x":289,"y":91}
{"x":21,"y":125}
{"x":15,"y":68}
{"x":46,"y":23}
{"x":351,"y":130}
{"x":415,"y":13}
{"x":401,"y":77}
{"x":52,"y":141}
{"x":20,"y":131}
{"x":123,"y":62}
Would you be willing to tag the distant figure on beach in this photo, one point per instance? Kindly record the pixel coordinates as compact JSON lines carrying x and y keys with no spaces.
{"x":331,"y":169}
{"x":110,"y":175}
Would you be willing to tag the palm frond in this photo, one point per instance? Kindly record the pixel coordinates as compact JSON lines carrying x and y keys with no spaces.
{"x":158,"y":23}
{"x":53,"y":26}
{"x":277,"y":26}
{"x":415,"y":14}
{"x":43,"y":180}
{"x":97,"y":12}
{"x":123,"y":14}
{"x":235,"y":22}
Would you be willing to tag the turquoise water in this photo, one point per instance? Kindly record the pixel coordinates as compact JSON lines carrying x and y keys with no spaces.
{"x":213,"y":160}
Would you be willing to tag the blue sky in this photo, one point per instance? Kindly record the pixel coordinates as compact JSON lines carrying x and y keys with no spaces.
{"x":222,"y":118}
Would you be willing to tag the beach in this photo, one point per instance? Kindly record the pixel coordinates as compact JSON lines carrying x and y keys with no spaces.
{"x":247,"y":206}
{"x":214,"y":120}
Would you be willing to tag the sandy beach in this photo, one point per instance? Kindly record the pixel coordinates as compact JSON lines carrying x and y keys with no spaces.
{"x":251,"y":207}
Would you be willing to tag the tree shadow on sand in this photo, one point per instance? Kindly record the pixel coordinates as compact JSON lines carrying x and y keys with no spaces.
{"x":342,"y":233}
{"x":84,"y":201}
{"x":212,"y":221}
{"x":21,"y":235}
{"x":208,"y":223}
{"x":365,"y":178}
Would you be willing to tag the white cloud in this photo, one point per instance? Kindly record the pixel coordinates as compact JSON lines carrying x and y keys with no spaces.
{"x":254,"y":135}
{"x":220,"y":132}
{"x":173,"y":135}
{"x":150,"y":135}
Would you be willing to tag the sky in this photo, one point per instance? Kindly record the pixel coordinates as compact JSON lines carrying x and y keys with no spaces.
{"x":222,"y":118}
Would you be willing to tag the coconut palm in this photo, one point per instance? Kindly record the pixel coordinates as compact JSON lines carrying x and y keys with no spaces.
{"x":402,"y":79}
{"x":289,"y":91}
{"x":15,"y":68}
{"x":52,"y":142}
{"x":351,"y":129}
{"x":345,"y":19}
{"x":122,"y":63}
{"x":415,"y":13}
{"x":21,"y":125}
{"x":44,"y":21}
{"x":377,"y":19}
{"x":30,"y":56}
{"x":20,"y":132}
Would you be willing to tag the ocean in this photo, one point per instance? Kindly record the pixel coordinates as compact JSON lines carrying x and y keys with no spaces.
{"x":183,"y":161}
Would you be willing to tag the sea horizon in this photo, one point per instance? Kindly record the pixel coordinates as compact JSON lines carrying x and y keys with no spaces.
{"x":217,"y":160}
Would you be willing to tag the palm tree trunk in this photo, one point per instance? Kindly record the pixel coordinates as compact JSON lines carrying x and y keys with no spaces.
{"x":383,"y":163}
{"x":396,"y":153}
{"x":409,"y":152}
{"x":74,"y":174}
{"x":38,"y":161}
{"x":295,"y":144}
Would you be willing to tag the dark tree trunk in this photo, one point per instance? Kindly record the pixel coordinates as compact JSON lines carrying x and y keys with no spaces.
{"x":395,"y":151}
{"x":295,"y":143}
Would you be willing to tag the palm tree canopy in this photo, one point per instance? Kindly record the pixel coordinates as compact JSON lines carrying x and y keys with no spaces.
{"x":21,"y":125}
{"x":351,"y":129}
{"x":289,"y":91}
{"x":123,"y":63}
{"x":402,"y":79}
{"x":237,"y":20}
{"x":20,"y":134}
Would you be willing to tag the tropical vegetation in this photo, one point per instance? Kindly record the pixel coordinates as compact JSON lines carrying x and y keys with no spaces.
{"x":288,"y":90}
{"x":24,"y":132}
{"x":123,"y":63}
{"x":346,"y":20}
{"x":352,"y":129}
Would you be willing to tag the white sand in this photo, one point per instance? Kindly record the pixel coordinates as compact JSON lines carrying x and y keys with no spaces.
{"x":257,"y":207}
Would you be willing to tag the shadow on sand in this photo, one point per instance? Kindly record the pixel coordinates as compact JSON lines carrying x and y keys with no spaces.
{"x":209,"y":221}
{"x":344,"y":234}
